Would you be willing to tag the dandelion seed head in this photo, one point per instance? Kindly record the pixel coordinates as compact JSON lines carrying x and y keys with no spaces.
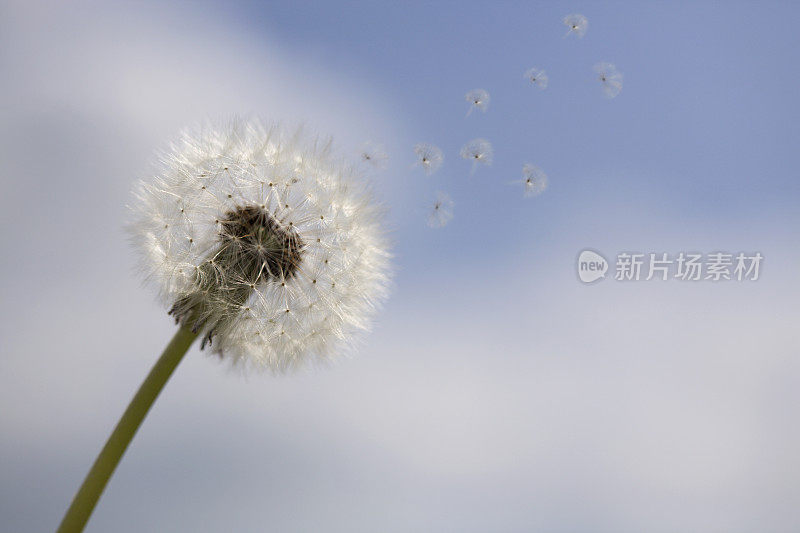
{"x":477,"y":99}
{"x":479,"y":151}
{"x":429,"y":157}
{"x":534,"y":180}
{"x":441,"y":211}
{"x":263,"y":242}
{"x":610,"y":78}
{"x":577,"y":24}
{"x":537,"y":77}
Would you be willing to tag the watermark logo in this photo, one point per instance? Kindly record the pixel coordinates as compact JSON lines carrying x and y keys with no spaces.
{"x":682,"y":266}
{"x":591,"y":266}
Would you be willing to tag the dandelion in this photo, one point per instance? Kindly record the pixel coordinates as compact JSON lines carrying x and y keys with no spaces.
{"x":537,"y":77}
{"x":610,"y":78}
{"x":577,"y":24}
{"x":373,"y":154}
{"x":534,"y":180}
{"x":262,"y":244}
{"x":479,"y":151}
{"x":429,"y":157}
{"x":477,"y":99}
{"x":441,"y":212}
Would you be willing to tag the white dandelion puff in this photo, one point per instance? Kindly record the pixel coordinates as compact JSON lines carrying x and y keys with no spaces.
{"x":477,"y":99}
{"x":479,"y":151}
{"x":441,"y":211}
{"x":263,"y":242}
{"x":534,"y":180}
{"x":577,"y":24}
{"x":537,"y":77}
{"x":429,"y":157}
{"x":373,"y":154}
{"x":610,"y":78}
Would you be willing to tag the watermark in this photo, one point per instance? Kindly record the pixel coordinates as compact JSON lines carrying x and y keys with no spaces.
{"x":683,"y":266}
{"x":591,"y":266}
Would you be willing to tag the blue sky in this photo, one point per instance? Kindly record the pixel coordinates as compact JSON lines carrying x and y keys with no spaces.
{"x":496,"y":392}
{"x":700,"y":139}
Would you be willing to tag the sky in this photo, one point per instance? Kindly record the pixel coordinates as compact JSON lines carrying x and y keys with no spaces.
{"x":496,"y":392}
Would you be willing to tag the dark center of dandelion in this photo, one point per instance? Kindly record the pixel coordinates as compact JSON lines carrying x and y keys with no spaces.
{"x":253,"y":248}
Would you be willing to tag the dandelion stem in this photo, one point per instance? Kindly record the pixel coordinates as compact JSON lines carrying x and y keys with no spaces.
{"x":86,"y":498}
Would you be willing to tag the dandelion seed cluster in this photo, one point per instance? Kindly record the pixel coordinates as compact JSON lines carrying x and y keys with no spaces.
{"x":477,"y":99}
{"x":373,"y":154}
{"x":441,"y":211}
{"x":429,"y":157}
{"x":534,"y":180}
{"x":537,"y":77}
{"x":480,"y":151}
{"x":263,"y":242}
{"x":576,"y":24}
{"x":610,"y":78}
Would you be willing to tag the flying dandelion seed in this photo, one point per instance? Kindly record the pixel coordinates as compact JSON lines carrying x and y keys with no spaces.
{"x":477,"y":99}
{"x":263,"y":242}
{"x":610,"y":78}
{"x":534,"y":180}
{"x":577,"y":24}
{"x":479,"y":151}
{"x":537,"y":77}
{"x":441,"y":212}
{"x":372,"y":154}
{"x":429,"y":157}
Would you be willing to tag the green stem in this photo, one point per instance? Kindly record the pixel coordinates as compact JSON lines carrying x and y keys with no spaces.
{"x":97,"y":478}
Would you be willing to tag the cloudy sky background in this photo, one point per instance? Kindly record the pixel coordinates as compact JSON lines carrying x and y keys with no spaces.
{"x":496,"y":392}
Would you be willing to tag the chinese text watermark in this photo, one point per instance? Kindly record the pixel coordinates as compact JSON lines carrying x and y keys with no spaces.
{"x":682,"y":266}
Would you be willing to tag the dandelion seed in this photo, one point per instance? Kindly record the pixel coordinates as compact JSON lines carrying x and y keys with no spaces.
{"x":610,"y":78}
{"x":479,"y":151}
{"x":429,"y":157}
{"x":577,"y":24}
{"x":537,"y":77}
{"x":274,"y":253}
{"x":534,"y":180}
{"x":373,"y":154}
{"x":441,"y":212}
{"x":477,"y":99}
